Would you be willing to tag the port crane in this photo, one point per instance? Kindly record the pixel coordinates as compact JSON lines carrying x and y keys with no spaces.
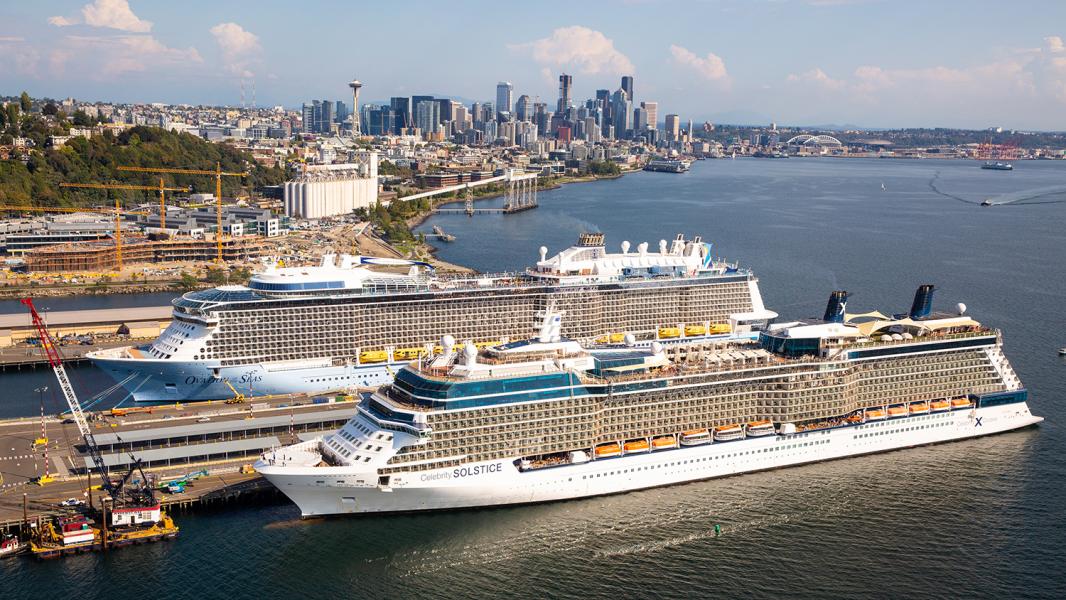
{"x":115,"y":489}
{"x":218,"y":174}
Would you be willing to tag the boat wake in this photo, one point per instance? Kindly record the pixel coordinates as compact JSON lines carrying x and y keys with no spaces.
{"x":1019,"y":197}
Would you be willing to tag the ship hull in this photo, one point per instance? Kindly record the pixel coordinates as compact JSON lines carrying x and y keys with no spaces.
{"x":345,"y":490}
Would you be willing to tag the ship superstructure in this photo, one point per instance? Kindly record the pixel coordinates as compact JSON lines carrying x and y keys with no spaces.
{"x":546,"y":419}
{"x":348,"y":323}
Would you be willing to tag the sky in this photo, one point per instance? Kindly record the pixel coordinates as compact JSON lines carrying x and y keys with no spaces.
{"x":869,"y":63}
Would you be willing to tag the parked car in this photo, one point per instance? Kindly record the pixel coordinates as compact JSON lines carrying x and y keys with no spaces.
{"x":72,"y":502}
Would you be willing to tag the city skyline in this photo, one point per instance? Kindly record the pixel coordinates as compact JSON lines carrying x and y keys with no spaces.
{"x":817,"y":62}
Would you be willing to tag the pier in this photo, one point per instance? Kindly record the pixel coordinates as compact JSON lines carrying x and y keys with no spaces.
{"x":441,"y":235}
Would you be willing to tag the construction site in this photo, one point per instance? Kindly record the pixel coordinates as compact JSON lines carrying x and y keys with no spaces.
{"x":104,"y":255}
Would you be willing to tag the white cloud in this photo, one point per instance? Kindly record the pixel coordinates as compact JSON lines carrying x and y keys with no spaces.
{"x":1053,"y":44}
{"x":817,"y":77}
{"x":105,"y":57}
{"x":240,"y":48}
{"x":19,"y":57}
{"x":112,"y":14}
{"x":710,"y":67}
{"x":577,"y":47}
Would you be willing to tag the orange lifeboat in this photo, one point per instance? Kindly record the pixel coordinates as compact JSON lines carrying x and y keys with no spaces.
{"x":897,"y":411}
{"x":939,"y":405}
{"x":759,"y":428}
{"x":961,"y":403}
{"x":875,"y":414}
{"x":920,"y":408}
{"x":854,"y":419}
{"x":608,"y":450}
{"x":695,"y":437}
{"x":663,"y":442}
{"x":637,"y":447}
{"x":726,"y":433}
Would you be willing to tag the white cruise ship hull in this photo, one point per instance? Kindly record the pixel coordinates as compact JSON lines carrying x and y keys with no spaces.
{"x":347,"y":490}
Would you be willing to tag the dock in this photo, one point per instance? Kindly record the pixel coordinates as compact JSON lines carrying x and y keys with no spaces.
{"x":441,"y":235}
{"x":171,"y":440}
{"x":142,"y":322}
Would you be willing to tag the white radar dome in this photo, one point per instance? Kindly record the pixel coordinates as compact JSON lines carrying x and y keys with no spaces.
{"x":447,"y":341}
{"x":961,"y":307}
{"x":630,"y":340}
{"x":543,"y":253}
{"x":625,"y":247}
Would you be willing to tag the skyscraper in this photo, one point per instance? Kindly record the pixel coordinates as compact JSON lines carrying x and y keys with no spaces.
{"x":673,"y":128}
{"x":653,"y":113}
{"x":523,"y":108}
{"x":401,"y":108}
{"x":565,"y":82}
{"x":504,"y":89}
{"x":640,"y":120}
{"x":627,"y":85}
{"x":622,"y":109}
{"x":427,"y":116}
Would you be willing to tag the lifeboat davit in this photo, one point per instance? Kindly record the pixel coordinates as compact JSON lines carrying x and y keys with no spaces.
{"x":608,"y":450}
{"x":727,"y":433}
{"x":695,"y":437}
{"x":637,"y":447}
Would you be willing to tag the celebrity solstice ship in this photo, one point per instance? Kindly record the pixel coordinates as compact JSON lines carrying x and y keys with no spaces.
{"x":345,"y":325}
{"x":545,"y":419}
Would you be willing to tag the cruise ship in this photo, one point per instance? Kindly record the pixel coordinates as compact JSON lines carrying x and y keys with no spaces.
{"x":666,"y":165}
{"x":352,"y":323}
{"x":548,"y":419}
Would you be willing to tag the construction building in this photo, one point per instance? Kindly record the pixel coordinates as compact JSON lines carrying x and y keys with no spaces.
{"x":101,"y":256}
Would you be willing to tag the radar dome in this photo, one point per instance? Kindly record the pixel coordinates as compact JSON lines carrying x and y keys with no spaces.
{"x":447,"y":341}
{"x":625,"y":247}
{"x":961,"y":307}
{"x":543,"y":253}
{"x":629,"y":340}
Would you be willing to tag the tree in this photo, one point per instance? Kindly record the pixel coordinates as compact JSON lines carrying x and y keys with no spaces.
{"x":50,"y":109}
{"x":81,"y":119}
{"x":25,"y":103}
{"x":188,"y":282}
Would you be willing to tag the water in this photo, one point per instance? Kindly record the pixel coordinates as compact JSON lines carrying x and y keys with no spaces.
{"x":982,"y":518}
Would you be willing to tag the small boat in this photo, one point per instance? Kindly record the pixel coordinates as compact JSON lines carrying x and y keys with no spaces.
{"x":961,"y":403}
{"x":996,"y":165}
{"x":897,"y":411}
{"x":663,"y":442}
{"x":854,"y":419}
{"x":11,"y":546}
{"x":720,"y":328}
{"x":608,"y":450}
{"x":669,"y":332}
{"x":920,"y":408}
{"x":373,"y":356}
{"x":875,"y":414}
{"x":695,"y":437}
{"x":760,"y":428}
{"x":727,"y":433}
{"x":1062,"y":351}
{"x":637,"y":447}
{"x":939,"y":405}
{"x":695,"y":330}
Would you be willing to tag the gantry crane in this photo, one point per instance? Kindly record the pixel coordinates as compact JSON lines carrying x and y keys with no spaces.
{"x":118,"y":208}
{"x":218,"y":173}
{"x":143,"y":495}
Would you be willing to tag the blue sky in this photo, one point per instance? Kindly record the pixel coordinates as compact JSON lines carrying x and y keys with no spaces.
{"x":866,"y":62}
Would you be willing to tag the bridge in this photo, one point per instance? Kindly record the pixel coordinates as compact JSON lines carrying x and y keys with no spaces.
{"x":521,"y":194}
{"x":813,"y":140}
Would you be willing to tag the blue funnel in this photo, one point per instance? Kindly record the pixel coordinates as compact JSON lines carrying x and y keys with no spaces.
{"x":834,"y":311}
{"x":923,"y":301}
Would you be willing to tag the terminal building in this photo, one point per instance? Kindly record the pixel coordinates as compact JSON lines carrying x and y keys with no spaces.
{"x":331,"y":190}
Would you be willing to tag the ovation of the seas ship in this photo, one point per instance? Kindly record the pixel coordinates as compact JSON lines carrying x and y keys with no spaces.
{"x":352,"y":323}
{"x":544,"y":419}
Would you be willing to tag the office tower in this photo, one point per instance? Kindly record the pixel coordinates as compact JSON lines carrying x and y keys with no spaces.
{"x":504,"y":90}
{"x":523,"y":109}
{"x":475,"y":112}
{"x":622,"y":109}
{"x":640,"y":120}
{"x":627,"y":85}
{"x":673,"y":128}
{"x":592,"y":130}
{"x":326,"y":121}
{"x":415,"y":100}
{"x":565,"y":82}
{"x":401,"y":108}
{"x":653,"y":113}
{"x":427,"y":116}
{"x":308,"y":115}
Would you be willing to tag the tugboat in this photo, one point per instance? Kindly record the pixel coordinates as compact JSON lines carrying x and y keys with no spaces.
{"x":11,"y":546}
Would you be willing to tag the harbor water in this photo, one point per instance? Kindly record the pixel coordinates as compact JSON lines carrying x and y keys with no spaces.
{"x":978,"y":518}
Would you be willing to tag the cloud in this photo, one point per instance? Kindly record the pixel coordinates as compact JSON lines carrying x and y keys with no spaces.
{"x":710,"y":67}
{"x":106,"y":57}
{"x":240,"y":48}
{"x":112,"y":14}
{"x":817,"y":77}
{"x":1053,"y":44}
{"x":11,"y":39}
{"x":577,"y":47}
{"x":19,"y":57}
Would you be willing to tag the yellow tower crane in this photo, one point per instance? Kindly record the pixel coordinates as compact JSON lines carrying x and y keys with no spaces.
{"x":118,"y":207}
{"x":218,"y":174}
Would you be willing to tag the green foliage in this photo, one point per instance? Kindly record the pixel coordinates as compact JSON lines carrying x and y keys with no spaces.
{"x":187,"y":281}
{"x":50,"y":109}
{"x":215,"y":276}
{"x":603,"y":167}
{"x":25,"y":103}
{"x":95,"y":161}
{"x":389,"y":168}
{"x":240,"y":275}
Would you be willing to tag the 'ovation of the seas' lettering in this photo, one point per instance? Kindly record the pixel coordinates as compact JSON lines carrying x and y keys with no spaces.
{"x":245,"y":379}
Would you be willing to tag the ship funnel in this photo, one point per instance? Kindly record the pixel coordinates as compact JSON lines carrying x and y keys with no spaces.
{"x":834,"y":310}
{"x":923,"y":301}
